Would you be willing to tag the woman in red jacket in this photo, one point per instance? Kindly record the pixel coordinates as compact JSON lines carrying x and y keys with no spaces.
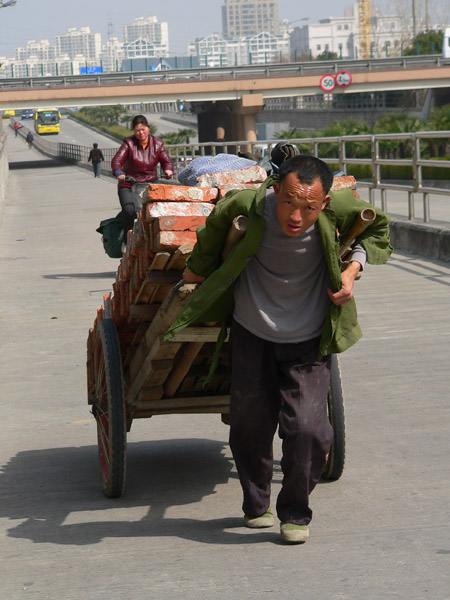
{"x":138,"y":157}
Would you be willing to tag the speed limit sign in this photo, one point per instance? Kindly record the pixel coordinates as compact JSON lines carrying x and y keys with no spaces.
{"x":343,"y":78}
{"x":327,"y":83}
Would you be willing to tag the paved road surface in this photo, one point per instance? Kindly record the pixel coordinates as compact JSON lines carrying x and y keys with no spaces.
{"x":382,"y":531}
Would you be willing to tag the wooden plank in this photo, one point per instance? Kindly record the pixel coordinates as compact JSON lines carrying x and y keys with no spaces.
{"x":187,"y":357}
{"x":158,"y":374}
{"x":143,"y":312}
{"x":148,"y":394}
{"x":159,"y":262}
{"x":140,"y":412}
{"x":166,"y":315}
{"x":158,"y":277}
{"x":194,"y":402}
{"x":141,"y":352}
{"x":176,"y":262}
{"x":179,"y":257}
{"x":197,"y":334}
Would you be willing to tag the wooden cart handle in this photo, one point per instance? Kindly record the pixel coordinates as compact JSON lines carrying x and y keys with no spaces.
{"x":235,"y":233}
{"x":365,"y":218}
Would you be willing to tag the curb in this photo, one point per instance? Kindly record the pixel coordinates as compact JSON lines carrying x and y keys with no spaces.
{"x":425,"y":240}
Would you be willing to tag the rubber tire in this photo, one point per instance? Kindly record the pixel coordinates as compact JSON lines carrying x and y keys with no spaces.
{"x":109,"y":409}
{"x":336,"y":413}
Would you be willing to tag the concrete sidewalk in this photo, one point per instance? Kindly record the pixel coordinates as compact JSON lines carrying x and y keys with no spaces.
{"x":381,"y":531}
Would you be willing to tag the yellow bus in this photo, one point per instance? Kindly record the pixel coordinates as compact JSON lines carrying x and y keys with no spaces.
{"x":47,"y":120}
{"x":7,"y":114}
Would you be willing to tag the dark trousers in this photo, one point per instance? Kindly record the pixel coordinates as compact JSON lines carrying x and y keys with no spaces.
{"x":128,"y":213}
{"x":96,"y":167}
{"x":280,"y":385}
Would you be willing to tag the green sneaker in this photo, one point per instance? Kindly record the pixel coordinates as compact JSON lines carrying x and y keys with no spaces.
{"x":265,"y":520}
{"x":294,"y":534}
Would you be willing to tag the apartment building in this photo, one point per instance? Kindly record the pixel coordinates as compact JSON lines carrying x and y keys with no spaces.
{"x":262,"y":48}
{"x":243,"y":18}
{"x":150,"y":30}
{"x":42,"y":50}
{"x":79,"y":42}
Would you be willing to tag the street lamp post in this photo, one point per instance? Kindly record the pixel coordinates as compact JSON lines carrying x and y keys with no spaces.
{"x":287,"y":25}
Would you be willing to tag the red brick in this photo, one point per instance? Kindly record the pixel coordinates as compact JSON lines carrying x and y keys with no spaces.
{"x":177,"y":209}
{"x":180,"y":193}
{"x":177,"y":223}
{"x":254,"y":174}
{"x":236,"y":186}
{"x":343,"y":181}
{"x":170,"y":240}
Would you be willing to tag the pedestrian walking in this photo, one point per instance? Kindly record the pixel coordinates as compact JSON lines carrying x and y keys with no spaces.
{"x":29,"y":139}
{"x":96,"y":156}
{"x":16,"y":128}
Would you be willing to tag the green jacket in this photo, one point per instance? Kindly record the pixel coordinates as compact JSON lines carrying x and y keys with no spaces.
{"x":214,"y":299}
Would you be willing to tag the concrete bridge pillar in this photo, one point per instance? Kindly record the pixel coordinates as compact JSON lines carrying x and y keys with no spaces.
{"x":228,"y":120}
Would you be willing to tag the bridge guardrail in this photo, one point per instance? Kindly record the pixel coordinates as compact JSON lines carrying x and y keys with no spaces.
{"x":182,"y":154}
{"x":232,"y":72}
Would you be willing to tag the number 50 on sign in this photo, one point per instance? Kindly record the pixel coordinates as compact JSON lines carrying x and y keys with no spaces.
{"x":327,"y":83}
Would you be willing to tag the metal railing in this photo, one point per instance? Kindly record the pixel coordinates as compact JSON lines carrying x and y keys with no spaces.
{"x":377,"y":147}
{"x":231,"y":72}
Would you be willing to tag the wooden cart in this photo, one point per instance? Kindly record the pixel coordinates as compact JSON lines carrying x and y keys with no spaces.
{"x":132,"y":373}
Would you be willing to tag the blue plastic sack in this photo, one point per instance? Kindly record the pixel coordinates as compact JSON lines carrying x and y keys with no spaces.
{"x":212,"y":164}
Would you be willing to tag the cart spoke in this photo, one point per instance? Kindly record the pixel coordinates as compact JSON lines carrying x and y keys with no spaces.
{"x":101,"y":380}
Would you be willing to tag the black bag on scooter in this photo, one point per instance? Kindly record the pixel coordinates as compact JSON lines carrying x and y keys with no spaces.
{"x":111,"y":231}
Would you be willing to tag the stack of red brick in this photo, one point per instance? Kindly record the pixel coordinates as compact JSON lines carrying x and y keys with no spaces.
{"x":161,"y":240}
{"x":169,"y":218}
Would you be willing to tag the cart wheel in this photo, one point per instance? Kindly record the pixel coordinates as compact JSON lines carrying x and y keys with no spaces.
{"x":336,"y":459}
{"x":109,"y":409}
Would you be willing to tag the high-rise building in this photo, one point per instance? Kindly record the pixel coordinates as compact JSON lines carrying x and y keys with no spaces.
{"x":112,"y":55}
{"x":149,"y":29}
{"x":42,"y":50}
{"x":79,"y":42}
{"x":249,"y":17}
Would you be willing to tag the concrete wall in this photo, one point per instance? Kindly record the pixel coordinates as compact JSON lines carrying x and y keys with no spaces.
{"x":4,"y":168}
{"x":418,"y":238}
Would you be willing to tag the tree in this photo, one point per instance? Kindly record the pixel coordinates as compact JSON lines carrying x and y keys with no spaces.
{"x":428,"y":42}
{"x":439,"y":121}
{"x":348,"y":127}
{"x":294,"y":133}
{"x":328,"y":55}
{"x":178,"y":137}
{"x":397,"y":123}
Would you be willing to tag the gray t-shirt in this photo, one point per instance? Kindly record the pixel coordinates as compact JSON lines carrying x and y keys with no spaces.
{"x":281,"y":295}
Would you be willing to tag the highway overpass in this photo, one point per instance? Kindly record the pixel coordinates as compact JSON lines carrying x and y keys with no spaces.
{"x":226,"y":100}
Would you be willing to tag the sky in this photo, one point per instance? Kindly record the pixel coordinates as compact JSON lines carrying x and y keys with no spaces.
{"x":187,"y":19}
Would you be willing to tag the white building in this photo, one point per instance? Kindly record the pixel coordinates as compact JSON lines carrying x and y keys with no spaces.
{"x":214,"y":51}
{"x":149,"y":29}
{"x":141,"y":48}
{"x":263,"y":48}
{"x":80,"y":41}
{"x":342,"y":36}
{"x":112,"y":55}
